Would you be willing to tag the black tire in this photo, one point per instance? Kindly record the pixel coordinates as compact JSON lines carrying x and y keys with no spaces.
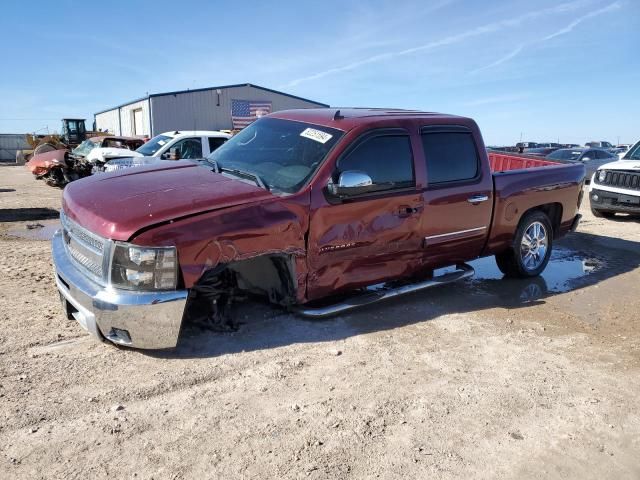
{"x":602,"y":213}
{"x":523,"y":261}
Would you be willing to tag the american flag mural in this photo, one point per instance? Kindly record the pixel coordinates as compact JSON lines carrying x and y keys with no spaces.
{"x":244,"y":112}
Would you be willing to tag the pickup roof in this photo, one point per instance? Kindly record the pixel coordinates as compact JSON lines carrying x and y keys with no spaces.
{"x":298,"y":207}
{"x":188,"y":144}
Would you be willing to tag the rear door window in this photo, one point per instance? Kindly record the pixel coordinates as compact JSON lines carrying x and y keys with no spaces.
{"x":215,"y":142}
{"x":450,"y":157}
{"x":387,"y":159}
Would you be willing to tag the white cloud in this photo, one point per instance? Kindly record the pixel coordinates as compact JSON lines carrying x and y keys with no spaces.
{"x":609,"y":8}
{"x":478,"y":31}
{"x":516,"y":51}
{"x":563,"y":31}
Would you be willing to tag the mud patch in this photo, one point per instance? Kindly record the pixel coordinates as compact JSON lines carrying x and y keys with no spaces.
{"x":43,"y":230}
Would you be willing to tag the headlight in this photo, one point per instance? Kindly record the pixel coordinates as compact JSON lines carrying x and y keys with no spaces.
{"x":602,"y":174}
{"x":144,"y":268}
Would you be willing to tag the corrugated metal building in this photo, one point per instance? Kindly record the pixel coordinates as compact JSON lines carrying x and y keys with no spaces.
{"x":10,"y":143}
{"x":200,"y":109}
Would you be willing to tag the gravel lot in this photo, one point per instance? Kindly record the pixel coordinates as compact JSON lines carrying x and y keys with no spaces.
{"x":487,"y":378}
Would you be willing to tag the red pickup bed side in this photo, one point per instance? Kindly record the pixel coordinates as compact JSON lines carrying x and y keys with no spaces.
{"x":522,"y":183}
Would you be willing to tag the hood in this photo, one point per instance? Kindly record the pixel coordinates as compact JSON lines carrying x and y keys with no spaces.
{"x":621,"y":165}
{"x":42,"y":162}
{"x":117,"y":205}
{"x":105,"y":153}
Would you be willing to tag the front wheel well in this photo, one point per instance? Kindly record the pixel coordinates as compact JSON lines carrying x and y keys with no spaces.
{"x":271,"y":277}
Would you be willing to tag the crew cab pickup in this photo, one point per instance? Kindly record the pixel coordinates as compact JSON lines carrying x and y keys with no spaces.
{"x":297,"y":208}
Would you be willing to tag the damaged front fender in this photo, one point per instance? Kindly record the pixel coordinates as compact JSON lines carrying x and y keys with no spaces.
{"x":262,"y":243}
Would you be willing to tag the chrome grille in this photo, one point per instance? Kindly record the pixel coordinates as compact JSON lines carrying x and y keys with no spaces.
{"x":123,"y":163}
{"x":85,"y":248}
{"x":622,"y":179}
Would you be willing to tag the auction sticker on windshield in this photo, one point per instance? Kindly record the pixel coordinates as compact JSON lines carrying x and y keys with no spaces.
{"x":317,"y":135}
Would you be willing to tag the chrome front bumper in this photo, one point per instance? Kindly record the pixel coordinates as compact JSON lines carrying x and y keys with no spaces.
{"x":147,"y":320}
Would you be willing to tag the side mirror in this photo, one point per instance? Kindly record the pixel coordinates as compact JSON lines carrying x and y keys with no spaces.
{"x":351,"y":182}
{"x":586,"y":159}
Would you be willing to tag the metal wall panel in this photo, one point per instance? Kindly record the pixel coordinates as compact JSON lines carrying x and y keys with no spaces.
{"x":126,"y":118}
{"x":108,"y":122}
{"x":200,"y":110}
{"x":125,"y":125}
{"x":9,"y":143}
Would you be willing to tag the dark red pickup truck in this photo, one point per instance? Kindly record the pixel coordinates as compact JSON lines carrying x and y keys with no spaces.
{"x":298,"y":207}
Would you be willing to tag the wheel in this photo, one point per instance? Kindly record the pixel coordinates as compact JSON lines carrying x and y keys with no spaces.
{"x":531,"y":248}
{"x":602,"y":213}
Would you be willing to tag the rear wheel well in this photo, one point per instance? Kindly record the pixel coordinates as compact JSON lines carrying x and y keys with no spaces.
{"x":551,"y":210}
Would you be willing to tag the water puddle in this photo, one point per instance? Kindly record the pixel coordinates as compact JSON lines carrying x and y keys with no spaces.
{"x":563,"y":269}
{"x":39,"y":230}
{"x":567,"y":270}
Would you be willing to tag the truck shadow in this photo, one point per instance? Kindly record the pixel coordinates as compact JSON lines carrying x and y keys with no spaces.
{"x":27,"y":214}
{"x":580,"y":260}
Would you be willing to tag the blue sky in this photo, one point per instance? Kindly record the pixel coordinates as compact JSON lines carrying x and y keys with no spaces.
{"x":546,"y":70}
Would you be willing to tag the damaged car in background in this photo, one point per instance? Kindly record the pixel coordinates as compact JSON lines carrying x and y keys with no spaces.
{"x":194,"y":145}
{"x":317,"y":211}
{"x":60,"y":167}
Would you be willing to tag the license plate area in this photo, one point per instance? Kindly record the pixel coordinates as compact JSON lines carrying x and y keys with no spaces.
{"x":629,"y":200}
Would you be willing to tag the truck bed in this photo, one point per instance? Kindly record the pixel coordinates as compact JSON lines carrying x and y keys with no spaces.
{"x":501,"y":162}
{"x":521,"y":183}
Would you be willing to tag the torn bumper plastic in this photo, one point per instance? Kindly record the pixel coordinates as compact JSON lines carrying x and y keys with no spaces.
{"x":148,"y":320}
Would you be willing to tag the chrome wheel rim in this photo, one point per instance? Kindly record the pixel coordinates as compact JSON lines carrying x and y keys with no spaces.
{"x":534,"y":245}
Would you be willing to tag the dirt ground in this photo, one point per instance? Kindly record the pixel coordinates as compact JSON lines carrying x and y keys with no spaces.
{"x":487,"y":378}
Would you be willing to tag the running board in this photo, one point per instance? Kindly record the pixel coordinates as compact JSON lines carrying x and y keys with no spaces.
{"x":384,"y":291}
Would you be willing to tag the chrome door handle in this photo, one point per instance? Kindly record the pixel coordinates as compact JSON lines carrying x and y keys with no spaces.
{"x":478,"y":198}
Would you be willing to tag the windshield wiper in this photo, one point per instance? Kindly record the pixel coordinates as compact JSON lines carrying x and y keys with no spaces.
{"x":250,"y":175}
{"x":216,"y":168}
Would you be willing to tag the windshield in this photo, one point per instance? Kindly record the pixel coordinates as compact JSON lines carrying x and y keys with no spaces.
{"x":633,"y":153}
{"x":84,"y":148}
{"x":565,"y":155}
{"x":153,"y":145}
{"x":282,"y":153}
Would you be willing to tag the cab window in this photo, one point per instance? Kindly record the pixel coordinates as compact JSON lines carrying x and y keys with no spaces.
{"x":188,"y":148}
{"x":215,"y":142}
{"x":387,"y":159}
{"x":450,"y":157}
